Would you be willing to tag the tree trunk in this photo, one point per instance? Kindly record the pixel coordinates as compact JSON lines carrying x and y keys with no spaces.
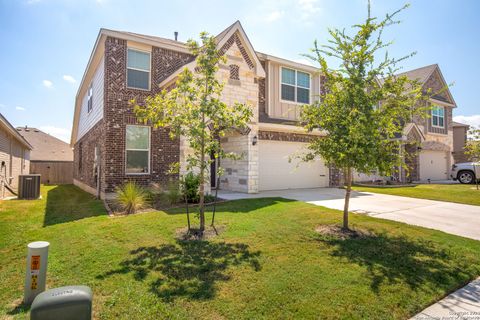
{"x":201,"y":203}
{"x":348,"y":185}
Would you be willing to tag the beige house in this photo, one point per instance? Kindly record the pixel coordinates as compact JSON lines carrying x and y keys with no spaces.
{"x":14,"y":157}
{"x":111,"y":146}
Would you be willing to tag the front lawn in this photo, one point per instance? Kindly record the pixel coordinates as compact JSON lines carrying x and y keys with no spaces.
{"x":268,"y":263}
{"x":459,"y":193}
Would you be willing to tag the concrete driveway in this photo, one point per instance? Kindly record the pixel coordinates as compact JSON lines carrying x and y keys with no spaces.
{"x":458,"y":219}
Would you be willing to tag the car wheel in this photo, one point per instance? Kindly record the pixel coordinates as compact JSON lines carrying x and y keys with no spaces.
{"x":465,"y":177}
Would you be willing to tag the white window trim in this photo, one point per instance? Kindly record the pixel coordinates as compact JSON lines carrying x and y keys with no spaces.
{"x":89,"y":97}
{"x":149,"y":151}
{"x":149,"y":71}
{"x":295,"y":86}
{"x":431,"y":120}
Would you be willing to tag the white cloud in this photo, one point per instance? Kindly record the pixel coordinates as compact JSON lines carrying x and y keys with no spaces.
{"x":274,"y":15}
{"x":47,"y":84}
{"x":60,"y":133}
{"x":69,"y":78}
{"x":20,"y":108}
{"x":308,"y":8}
{"x":470,"y":120}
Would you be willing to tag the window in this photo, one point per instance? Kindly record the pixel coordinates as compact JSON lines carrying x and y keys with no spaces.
{"x":138,"y":69}
{"x":438,"y":117}
{"x":90,"y":99}
{"x":295,"y":86}
{"x":137,"y":150}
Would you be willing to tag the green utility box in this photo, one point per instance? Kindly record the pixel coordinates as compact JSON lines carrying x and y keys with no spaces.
{"x":71,"y":302}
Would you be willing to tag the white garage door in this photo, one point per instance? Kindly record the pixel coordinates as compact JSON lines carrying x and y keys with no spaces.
{"x":277,"y":173}
{"x":433,"y":165}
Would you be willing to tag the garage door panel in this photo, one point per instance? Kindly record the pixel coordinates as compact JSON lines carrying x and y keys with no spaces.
{"x":276,"y":172}
{"x":433,"y":165}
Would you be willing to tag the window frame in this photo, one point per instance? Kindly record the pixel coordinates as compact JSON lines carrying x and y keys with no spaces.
{"x":295,"y":86}
{"x":90,"y":98}
{"x":149,"y":150}
{"x":149,"y":71}
{"x":438,"y":117}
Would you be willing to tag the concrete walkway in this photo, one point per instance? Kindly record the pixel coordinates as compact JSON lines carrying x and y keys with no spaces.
{"x":462,"y":304}
{"x":458,"y":219}
{"x":454,"y":218}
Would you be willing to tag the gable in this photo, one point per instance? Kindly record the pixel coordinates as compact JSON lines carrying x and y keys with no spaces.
{"x":439,"y":88}
{"x":236,"y":34}
{"x":234,"y":41}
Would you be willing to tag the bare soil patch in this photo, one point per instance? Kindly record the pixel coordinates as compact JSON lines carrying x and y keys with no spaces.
{"x":339,"y":232}
{"x":194,"y":233}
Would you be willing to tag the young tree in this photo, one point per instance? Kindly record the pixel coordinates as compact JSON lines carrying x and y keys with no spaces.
{"x":472,"y":147}
{"x":363,"y":104}
{"x":472,"y":150}
{"x":193,"y":110}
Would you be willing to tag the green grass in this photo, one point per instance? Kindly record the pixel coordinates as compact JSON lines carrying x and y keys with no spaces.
{"x":459,"y":193}
{"x":268,"y":263}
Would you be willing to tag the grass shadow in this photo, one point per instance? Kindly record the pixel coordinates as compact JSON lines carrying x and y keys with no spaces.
{"x":399,"y":259}
{"x":187,"y":268}
{"x":19,"y":308}
{"x":67,"y":203}
{"x":236,"y":206}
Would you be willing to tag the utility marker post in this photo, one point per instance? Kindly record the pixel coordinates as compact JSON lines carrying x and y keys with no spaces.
{"x":36,"y":274}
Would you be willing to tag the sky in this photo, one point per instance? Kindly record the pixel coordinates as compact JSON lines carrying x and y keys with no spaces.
{"x":46,"y":44}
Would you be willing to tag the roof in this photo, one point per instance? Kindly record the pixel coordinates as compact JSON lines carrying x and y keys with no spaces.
{"x":458,"y":124}
{"x":420,"y":74}
{"x":45,"y":146}
{"x":11,"y":129}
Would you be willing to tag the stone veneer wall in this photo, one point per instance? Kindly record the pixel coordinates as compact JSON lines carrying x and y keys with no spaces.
{"x":240,"y":175}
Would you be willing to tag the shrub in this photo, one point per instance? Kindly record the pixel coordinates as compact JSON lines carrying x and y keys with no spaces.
{"x":190,"y":185}
{"x":209,"y":198}
{"x":131,"y":196}
{"x":173,"y":193}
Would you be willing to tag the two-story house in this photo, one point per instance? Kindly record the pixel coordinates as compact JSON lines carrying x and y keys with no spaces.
{"x":111,"y":146}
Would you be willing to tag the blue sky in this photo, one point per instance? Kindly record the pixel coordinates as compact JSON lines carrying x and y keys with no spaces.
{"x":46,"y":43}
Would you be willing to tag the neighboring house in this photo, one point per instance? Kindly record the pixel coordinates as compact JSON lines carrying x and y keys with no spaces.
{"x":428,"y":141}
{"x":109,"y":140}
{"x":433,"y":134}
{"x":14,"y":157}
{"x":51,"y":157}
{"x":460,"y":131}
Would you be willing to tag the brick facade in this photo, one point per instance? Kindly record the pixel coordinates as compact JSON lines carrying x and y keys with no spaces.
{"x":110,"y":133}
{"x":284,"y":136}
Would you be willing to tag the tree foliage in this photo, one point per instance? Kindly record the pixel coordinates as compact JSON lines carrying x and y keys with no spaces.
{"x":193,"y":109}
{"x":364,"y":105}
{"x":472,"y":147}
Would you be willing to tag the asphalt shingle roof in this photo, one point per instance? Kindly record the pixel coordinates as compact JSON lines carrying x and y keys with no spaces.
{"x":45,"y":146}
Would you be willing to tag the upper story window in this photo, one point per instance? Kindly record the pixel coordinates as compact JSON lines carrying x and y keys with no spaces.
{"x":137,"y":150}
{"x":138,"y":69}
{"x":438,"y":116}
{"x":295,"y":86}
{"x":90,"y":99}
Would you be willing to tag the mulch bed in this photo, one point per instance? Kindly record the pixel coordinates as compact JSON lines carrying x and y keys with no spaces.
{"x":343,"y":234}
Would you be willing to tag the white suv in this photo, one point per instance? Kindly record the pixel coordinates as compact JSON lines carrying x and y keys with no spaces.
{"x":465,"y":172}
